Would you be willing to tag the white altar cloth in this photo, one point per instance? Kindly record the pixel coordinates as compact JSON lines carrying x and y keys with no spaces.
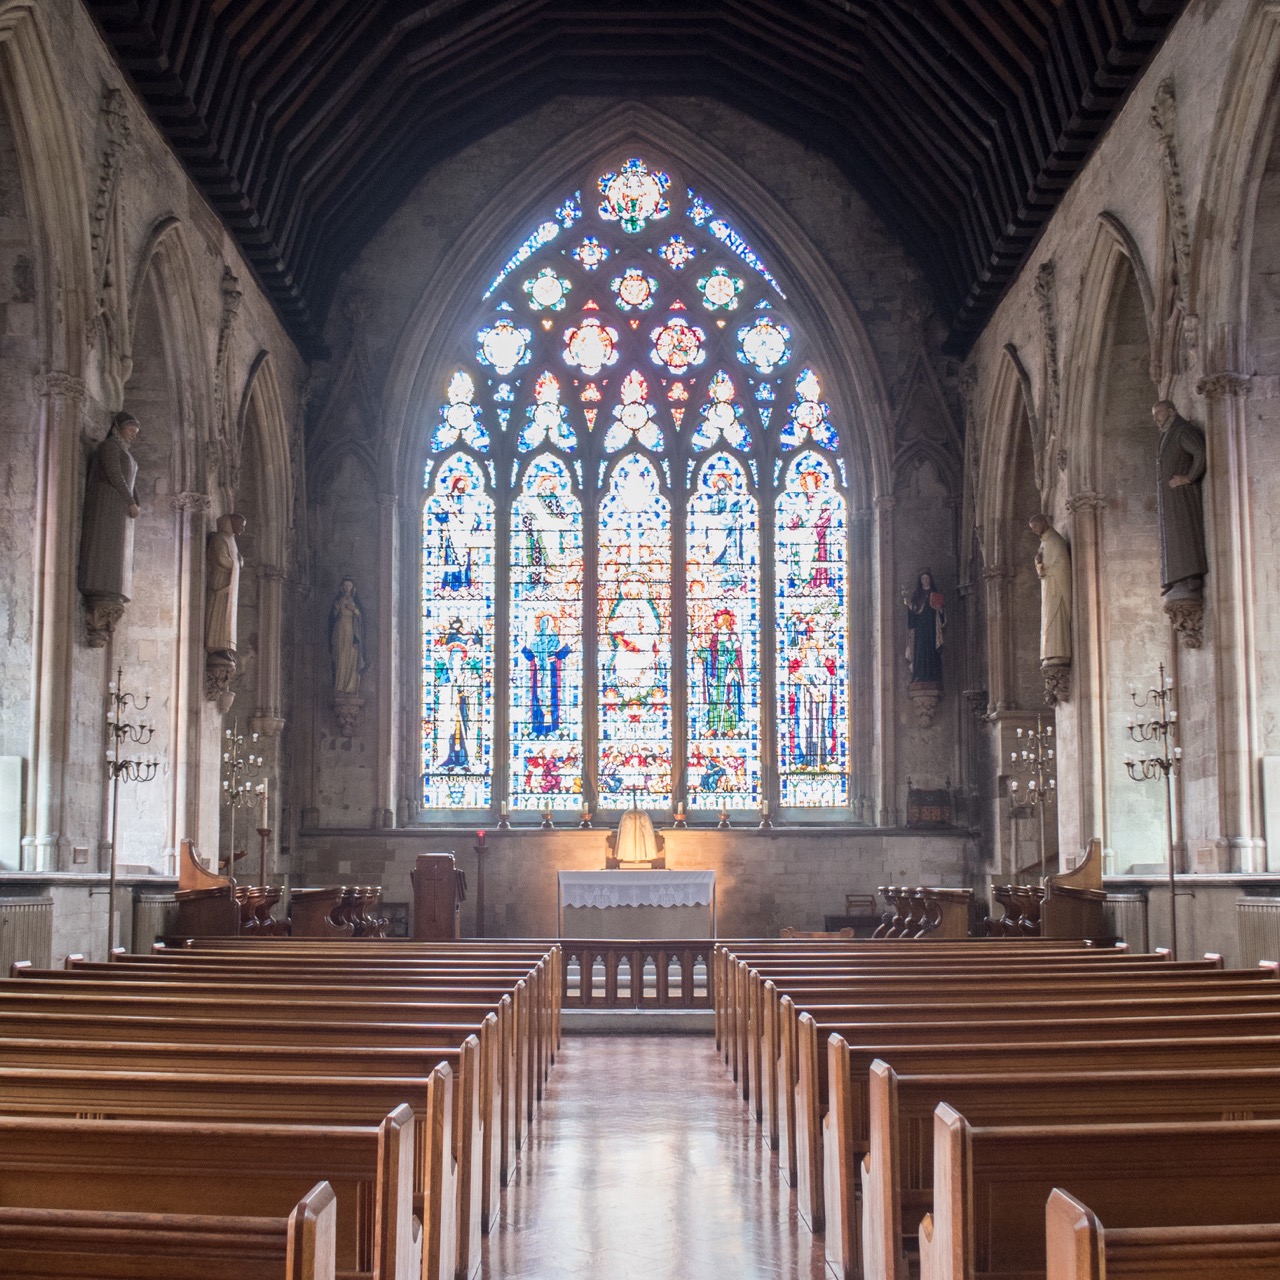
{"x":637,"y":904}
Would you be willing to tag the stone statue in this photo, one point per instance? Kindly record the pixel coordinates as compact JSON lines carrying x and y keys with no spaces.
{"x":1180,"y":468}
{"x":106,"y":537}
{"x":926,"y":619}
{"x":926,"y":623}
{"x":223,"y":563}
{"x":1053,"y":568}
{"x":346,"y":639}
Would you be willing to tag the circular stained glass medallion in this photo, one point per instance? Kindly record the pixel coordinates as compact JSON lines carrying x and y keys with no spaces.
{"x":678,"y":345}
{"x":504,"y":346}
{"x":764,"y":344}
{"x":590,"y":346}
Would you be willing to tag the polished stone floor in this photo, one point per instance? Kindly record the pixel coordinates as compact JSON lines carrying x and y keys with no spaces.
{"x":644,"y":1164}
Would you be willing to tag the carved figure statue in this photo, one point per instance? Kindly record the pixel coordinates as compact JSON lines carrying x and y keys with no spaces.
{"x":110,"y":508}
{"x":223,"y":563}
{"x":1053,"y":568}
{"x":346,"y":638}
{"x":926,"y":621}
{"x":1180,"y":467}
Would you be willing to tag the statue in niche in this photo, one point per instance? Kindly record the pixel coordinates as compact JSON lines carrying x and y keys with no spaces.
{"x":926,"y":625}
{"x":1180,"y":468}
{"x":1053,"y":568}
{"x":106,"y":537}
{"x":223,"y":563}
{"x":346,"y":638}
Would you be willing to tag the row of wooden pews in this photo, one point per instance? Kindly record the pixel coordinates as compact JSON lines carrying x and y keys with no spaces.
{"x":364,"y":1101}
{"x":930,"y":1096}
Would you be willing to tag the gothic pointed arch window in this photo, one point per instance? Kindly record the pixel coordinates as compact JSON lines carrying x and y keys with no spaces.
{"x":634,"y":531}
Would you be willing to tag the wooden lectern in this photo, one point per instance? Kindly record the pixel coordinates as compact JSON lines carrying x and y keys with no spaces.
{"x":439,"y":889}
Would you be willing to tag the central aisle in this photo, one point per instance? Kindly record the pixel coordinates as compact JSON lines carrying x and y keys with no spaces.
{"x":644,"y":1164}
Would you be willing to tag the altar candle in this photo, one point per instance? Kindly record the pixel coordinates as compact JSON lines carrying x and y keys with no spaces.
{"x":502,"y":808}
{"x":764,"y":808}
{"x":680,"y":809}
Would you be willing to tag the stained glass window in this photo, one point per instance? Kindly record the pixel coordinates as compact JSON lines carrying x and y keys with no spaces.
{"x":723,"y":595}
{"x":635,"y":637}
{"x":811,"y":625}
{"x":546,"y":639}
{"x":672,"y":400}
{"x":457,"y":637}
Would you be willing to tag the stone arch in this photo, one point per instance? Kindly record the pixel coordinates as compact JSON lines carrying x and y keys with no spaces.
{"x":856,"y":384}
{"x":1234,"y":250}
{"x":1008,"y":497}
{"x":265,"y":497}
{"x":161,"y":638}
{"x":42,"y":410}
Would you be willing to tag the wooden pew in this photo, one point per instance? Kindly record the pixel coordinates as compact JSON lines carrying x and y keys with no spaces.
{"x":290,"y":1062}
{"x":506,"y":1056}
{"x":1079,"y":1247}
{"x":897,"y":1171}
{"x":991,"y":1185}
{"x":137,"y":1094}
{"x":86,"y":1244}
{"x":236,"y":1169}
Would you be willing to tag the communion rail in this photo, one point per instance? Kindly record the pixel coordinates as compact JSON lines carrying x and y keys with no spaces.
{"x":609,"y":973}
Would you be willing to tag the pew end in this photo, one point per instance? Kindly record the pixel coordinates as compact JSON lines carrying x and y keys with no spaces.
{"x":1073,"y":1238}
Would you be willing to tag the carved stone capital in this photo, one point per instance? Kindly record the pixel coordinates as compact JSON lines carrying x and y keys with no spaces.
{"x":885,"y":502}
{"x":270,"y":724}
{"x":924,"y":701}
{"x":1187,"y":616}
{"x":1220,"y":386}
{"x":976,"y":701}
{"x":101,"y":614}
{"x":996,"y":572}
{"x":1057,"y":683}
{"x":56,"y":383}
{"x":190,"y":501}
{"x":346,"y":709}
{"x":1086,"y":500}
{"x":389,"y":501}
{"x":219,"y":671}
{"x":271,"y":573}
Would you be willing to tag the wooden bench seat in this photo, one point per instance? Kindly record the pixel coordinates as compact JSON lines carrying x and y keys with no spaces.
{"x":86,"y":1244}
{"x":234,"y":1169}
{"x":897,"y":1171}
{"x":978,"y":1056}
{"x":991,"y":1185}
{"x":137,"y":1094}
{"x":1079,"y":1247}
{"x":287,"y":1062}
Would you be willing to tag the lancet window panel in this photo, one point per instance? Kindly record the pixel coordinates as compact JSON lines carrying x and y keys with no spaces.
{"x":458,"y":560}
{"x":546,"y":589}
{"x":670,"y":510}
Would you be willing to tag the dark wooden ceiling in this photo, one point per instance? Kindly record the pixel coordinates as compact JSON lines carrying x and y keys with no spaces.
{"x":306,"y":122}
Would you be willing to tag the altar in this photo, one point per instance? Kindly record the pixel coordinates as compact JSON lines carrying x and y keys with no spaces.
{"x":637,"y":904}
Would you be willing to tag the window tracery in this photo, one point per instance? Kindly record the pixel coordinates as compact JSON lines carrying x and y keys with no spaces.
{"x":635,"y":412}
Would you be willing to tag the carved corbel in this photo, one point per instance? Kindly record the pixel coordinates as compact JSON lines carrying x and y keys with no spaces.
{"x":1057,"y":682}
{"x":1224,"y":386}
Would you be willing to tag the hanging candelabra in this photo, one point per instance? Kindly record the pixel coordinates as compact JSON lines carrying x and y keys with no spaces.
{"x":1162,"y":761}
{"x":238,"y":788}
{"x":124,"y":735}
{"x":1038,"y":788}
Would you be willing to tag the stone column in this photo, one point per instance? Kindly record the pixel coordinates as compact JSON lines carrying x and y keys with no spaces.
{"x":55,"y":617}
{"x":184,"y":817}
{"x":861,"y":639}
{"x":268,"y":719}
{"x":886,"y":703}
{"x":1230,"y":585}
{"x":1085,"y":816}
{"x":996,"y":579}
{"x":388,"y":755}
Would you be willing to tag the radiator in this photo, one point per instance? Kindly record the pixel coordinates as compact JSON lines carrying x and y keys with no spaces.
{"x":155,"y":915}
{"x":26,"y":932}
{"x":1258,"y":920}
{"x":1126,"y":915}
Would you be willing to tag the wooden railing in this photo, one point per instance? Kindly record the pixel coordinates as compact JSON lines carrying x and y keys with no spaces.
{"x":628,"y":974}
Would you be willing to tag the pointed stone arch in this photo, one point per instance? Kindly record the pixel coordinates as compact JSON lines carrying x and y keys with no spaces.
{"x":266,"y":486}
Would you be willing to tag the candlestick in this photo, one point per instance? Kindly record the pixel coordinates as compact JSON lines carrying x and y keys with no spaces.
{"x":723,"y":824}
{"x":547,"y":824}
{"x":585,"y":824}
